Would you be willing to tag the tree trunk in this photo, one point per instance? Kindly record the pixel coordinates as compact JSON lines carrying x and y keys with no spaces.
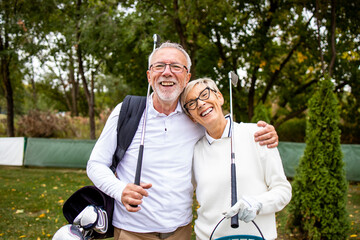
{"x":89,"y":98}
{"x":88,"y":94}
{"x":74,"y":88}
{"x":274,"y":77}
{"x":317,"y":6}
{"x":251,"y":94}
{"x":33,"y":87}
{"x":5,"y":73}
{"x":333,"y":43}
{"x":181,"y":31}
{"x":9,"y":97}
{"x":262,"y":31}
{"x":179,"y":27}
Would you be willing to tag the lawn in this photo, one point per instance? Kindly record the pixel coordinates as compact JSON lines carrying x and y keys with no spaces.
{"x":32,"y":198}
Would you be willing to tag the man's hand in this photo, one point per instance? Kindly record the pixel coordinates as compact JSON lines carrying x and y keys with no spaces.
{"x":267,"y":135}
{"x":133,"y":194}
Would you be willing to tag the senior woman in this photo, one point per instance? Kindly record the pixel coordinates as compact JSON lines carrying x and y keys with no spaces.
{"x":262,"y":186}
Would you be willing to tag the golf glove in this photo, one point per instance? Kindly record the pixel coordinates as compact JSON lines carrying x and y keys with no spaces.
{"x":247,"y":208}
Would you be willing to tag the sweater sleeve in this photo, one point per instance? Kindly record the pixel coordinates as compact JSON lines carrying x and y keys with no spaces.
{"x":278,"y":193}
{"x":101,"y":159}
{"x":279,"y":188}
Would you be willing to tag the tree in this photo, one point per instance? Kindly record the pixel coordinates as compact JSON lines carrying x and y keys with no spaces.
{"x":318,"y":209}
{"x":83,"y":33}
{"x":8,"y":43}
{"x":318,"y":206}
{"x":20,"y":31}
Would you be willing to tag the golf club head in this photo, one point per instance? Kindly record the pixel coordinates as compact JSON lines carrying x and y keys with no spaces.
{"x":92,"y":217}
{"x":102,"y":223}
{"x":69,"y":232}
{"x":157,"y":39}
{"x":87,"y":218}
{"x":233,"y":77}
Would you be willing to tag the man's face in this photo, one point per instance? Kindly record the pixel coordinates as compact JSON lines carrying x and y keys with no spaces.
{"x":168,"y":85}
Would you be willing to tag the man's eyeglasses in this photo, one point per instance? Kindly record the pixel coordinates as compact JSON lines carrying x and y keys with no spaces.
{"x":204,"y":95}
{"x":174,"y":67}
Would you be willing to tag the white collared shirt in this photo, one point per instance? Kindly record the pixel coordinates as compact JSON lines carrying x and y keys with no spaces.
{"x":167,"y":162}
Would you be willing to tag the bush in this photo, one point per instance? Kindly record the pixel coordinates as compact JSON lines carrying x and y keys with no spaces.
{"x":292,"y":130}
{"x":44,"y":124}
{"x":261,"y":113}
{"x":318,"y":206}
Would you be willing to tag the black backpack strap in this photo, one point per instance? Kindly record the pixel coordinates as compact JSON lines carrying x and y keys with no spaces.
{"x":132,"y":109}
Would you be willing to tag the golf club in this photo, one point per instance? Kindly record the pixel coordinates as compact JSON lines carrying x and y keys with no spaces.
{"x":70,"y":232}
{"x":141,"y":148}
{"x":233,"y":79}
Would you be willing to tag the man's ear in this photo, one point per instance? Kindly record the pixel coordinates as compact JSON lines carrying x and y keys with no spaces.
{"x":148,"y":76}
{"x":188,"y":78}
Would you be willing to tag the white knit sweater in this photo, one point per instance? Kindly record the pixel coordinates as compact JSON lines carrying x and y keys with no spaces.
{"x":259,"y":173}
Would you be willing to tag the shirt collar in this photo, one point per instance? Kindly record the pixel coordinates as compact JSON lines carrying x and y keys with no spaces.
{"x":152,"y":112}
{"x":226,"y":133}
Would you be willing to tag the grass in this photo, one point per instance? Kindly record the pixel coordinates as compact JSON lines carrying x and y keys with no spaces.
{"x":32,"y":198}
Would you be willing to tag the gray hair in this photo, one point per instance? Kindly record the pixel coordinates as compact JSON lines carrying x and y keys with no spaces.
{"x":206,"y":81}
{"x":172,"y":45}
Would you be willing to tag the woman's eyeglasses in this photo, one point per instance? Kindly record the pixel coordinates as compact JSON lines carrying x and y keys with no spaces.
{"x":204,"y":95}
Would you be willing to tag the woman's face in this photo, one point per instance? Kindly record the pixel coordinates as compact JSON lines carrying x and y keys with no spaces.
{"x":207,"y":112}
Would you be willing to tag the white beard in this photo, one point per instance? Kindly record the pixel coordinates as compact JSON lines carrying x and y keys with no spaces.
{"x":171,"y":95}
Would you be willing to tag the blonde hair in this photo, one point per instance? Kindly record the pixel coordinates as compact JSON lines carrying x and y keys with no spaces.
{"x":206,"y":81}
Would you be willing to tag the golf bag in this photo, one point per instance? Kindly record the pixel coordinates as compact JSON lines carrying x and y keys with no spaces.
{"x":130,"y":114}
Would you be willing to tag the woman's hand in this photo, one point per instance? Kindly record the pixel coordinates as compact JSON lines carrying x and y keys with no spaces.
{"x":247,"y":209}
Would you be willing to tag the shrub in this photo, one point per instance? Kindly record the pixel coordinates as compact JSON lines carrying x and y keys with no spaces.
{"x":292,"y":130}
{"x":44,"y":124}
{"x":261,"y":113}
{"x":318,"y":206}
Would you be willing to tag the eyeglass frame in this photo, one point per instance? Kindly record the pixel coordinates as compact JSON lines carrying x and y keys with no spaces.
{"x":170,"y":64}
{"x":199,"y":98}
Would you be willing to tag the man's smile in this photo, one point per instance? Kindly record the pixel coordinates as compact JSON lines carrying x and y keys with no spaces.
{"x":167,"y":83}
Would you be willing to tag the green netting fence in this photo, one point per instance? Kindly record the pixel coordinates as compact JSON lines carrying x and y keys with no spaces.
{"x":68,"y":153}
{"x":291,"y":153}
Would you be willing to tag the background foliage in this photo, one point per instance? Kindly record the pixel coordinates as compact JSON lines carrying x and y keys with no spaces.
{"x":84,"y":56}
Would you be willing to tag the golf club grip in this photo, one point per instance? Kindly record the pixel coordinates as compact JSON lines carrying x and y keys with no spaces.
{"x":138,"y":168}
{"x":234,"y":219}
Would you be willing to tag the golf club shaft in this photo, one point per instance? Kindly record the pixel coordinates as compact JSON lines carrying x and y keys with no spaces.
{"x":234,"y":219}
{"x":141,"y":147}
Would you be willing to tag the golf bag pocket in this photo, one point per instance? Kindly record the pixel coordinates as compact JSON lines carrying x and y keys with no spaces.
{"x":82,"y":198}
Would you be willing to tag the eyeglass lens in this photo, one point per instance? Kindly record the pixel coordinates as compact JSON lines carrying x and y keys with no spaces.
{"x":174,"y":67}
{"x":204,"y":95}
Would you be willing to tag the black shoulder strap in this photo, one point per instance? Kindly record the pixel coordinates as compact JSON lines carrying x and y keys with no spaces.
{"x":132,"y":109}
